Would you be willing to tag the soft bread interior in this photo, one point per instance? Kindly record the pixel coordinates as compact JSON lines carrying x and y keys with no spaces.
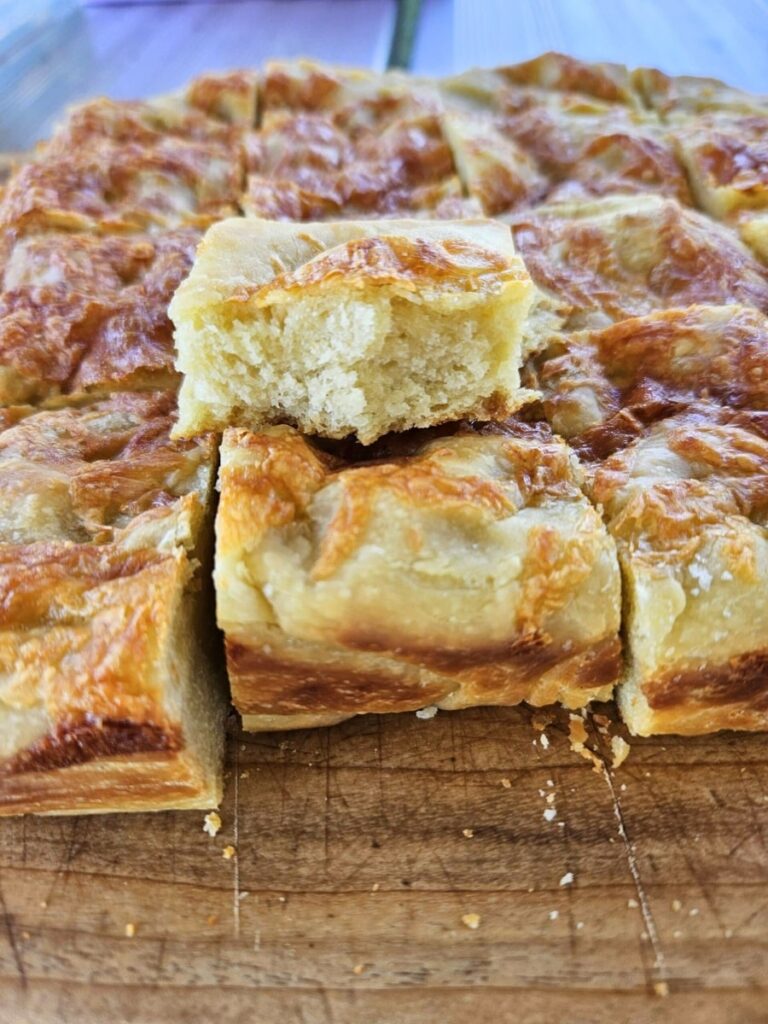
{"x":382,"y":331}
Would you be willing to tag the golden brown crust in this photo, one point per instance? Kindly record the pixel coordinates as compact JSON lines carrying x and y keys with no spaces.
{"x":307,"y":166}
{"x":562,"y":73}
{"x":676,"y":96}
{"x":727,"y":160}
{"x":101,"y":529}
{"x":83,"y":313}
{"x":620,"y":257}
{"x":128,"y":186}
{"x":394,"y":530}
{"x":601,"y":388}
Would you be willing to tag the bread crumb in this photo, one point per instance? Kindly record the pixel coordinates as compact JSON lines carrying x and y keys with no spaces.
{"x":677,"y":905}
{"x":550,"y":782}
{"x":693,"y":912}
{"x":428,"y":712}
{"x":550,"y":813}
{"x":632,"y":903}
{"x":243,"y":895}
{"x":468,"y":833}
{"x":553,"y":915}
{"x":211,"y":823}
{"x":544,"y":740}
{"x":567,"y":878}
{"x":550,"y":798}
{"x":43,"y":904}
{"x":130,"y":930}
{"x":375,"y":887}
{"x":245,"y":774}
{"x":506,"y":783}
{"x":661,"y":988}
{"x":620,"y":750}
{"x":471,"y":920}
{"x":677,"y":934}
{"x":578,"y":736}
{"x":228,"y":852}
{"x":579,"y":925}
{"x":358,"y":968}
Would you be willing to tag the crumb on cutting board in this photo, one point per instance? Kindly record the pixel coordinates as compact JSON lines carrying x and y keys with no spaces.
{"x":620,"y":750}
{"x":228,"y":852}
{"x":470,"y":921}
{"x":211,"y":823}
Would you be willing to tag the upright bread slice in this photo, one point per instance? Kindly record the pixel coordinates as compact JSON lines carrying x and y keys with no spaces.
{"x":109,"y":700}
{"x":351,"y":327}
{"x":451,"y":570}
{"x":687,"y":504}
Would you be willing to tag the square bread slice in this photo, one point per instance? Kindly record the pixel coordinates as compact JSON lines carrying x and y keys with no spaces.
{"x":351,"y":327}
{"x":441,"y":569}
{"x":106,"y":184}
{"x":687,"y":504}
{"x":87,"y":314}
{"x":727,"y":161}
{"x":109,"y":698}
{"x":627,"y":256}
{"x":600,"y":389}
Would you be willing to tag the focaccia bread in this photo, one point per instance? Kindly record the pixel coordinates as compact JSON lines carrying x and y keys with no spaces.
{"x":580,"y":148}
{"x":466,"y":569}
{"x":676,"y":97}
{"x":601,"y":388}
{"x":338,"y":143}
{"x":727,"y":161}
{"x":626,"y":256}
{"x":351,"y":327}
{"x":107,"y":185}
{"x":87,"y":314}
{"x":109,"y":698}
{"x":669,"y":414}
{"x":687,"y":504}
{"x":304,"y":167}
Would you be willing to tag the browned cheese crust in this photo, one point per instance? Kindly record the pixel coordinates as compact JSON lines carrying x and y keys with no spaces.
{"x":102,"y":530}
{"x":470,"y":571}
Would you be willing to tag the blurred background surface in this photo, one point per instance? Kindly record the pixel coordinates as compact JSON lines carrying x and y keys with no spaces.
{"x":53,"y":52}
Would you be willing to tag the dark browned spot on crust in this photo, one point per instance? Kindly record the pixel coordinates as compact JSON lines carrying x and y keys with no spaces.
{"x":529,"y":654}
{"x":263,"y":684}
{"x":741,"y":680}
{"x":266,"y":684}
{"x":600,"y":666}
{"x":77,"y":743}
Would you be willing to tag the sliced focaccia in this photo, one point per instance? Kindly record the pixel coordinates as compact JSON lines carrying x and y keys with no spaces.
{"x":351,"y":327}
{"x":601,"y":388}
{"x":338,"y":143}
{"x":110,"y":185}
{"x":676,"y":97}
{"x":687,"y":504}
{"x":450,"y":570}
{"x":83,"y":314}
{"x":304,"y":166}
{"x":727,"y":161}
{"x":627,"y":256}
{"x":108,"y":695}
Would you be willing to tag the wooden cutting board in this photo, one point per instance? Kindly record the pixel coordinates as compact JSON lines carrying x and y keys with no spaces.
{"x":359,"y":851}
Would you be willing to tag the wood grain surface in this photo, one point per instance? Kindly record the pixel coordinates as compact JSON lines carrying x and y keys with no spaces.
{"x":353,"y":871}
